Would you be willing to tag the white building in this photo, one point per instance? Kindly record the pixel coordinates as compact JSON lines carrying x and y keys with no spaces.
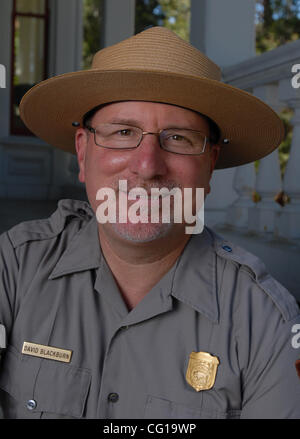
{"x":34,"y":175}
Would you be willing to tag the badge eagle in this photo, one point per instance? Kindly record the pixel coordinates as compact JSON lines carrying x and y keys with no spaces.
{"x":202,"y":370}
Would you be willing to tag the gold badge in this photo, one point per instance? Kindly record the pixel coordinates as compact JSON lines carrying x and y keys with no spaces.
{"x":201,"y":371}
{"x":49,"y":352}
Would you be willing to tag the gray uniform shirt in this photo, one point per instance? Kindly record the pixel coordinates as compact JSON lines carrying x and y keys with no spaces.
{"x":56,"y":290}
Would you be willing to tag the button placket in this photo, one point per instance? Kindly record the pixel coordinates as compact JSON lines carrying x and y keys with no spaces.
{"x":31,"y":404}
{"x":113,"y":397}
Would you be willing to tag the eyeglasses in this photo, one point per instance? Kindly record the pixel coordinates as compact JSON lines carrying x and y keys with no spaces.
{"x":175,"y":140}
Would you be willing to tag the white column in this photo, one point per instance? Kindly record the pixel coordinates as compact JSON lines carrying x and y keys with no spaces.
{"x":244,"y":181}
{"x":119,"y":20}
{"x":224,"y":30}
{"x":66,"y":56}
{"x":66,"y":37}
{"x":262,"y":217}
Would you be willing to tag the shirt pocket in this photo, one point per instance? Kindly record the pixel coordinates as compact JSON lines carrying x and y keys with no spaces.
{"x":43,"y":388}
{"x":159,"y":408}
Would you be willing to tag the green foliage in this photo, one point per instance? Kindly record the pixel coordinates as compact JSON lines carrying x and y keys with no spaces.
{"x":92,"y":23}
{"x":173,"y":14}
{"x":177,"y":16}
{"x":284,"y":149}
{"x":277,"y":23}
{"x":147,"y":13}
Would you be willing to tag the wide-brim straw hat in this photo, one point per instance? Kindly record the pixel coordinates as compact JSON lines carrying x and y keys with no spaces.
{"x":155,"y":65}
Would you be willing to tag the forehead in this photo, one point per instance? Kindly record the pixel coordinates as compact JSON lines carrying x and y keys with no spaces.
{"x":144,"y":111}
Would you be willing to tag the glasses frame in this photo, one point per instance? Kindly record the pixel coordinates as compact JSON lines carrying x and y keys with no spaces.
{"x":157,"y":134}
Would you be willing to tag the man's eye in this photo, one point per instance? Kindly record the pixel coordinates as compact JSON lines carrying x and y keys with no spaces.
{"x":125,"y":133}
{"x":178,"y":137}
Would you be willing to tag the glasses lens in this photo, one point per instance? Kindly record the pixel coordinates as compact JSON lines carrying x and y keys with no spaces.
{"x":117,"y":136}
{"x":183,"y":141}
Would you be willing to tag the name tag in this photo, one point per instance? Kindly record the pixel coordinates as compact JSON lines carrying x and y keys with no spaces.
{"x":49,"y":352}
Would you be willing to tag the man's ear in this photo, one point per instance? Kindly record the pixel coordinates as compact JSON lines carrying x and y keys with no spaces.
{"x":81,"y":142}
{"x":214,"y":155}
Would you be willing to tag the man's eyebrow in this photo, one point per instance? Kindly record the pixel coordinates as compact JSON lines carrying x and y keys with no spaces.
{"x":121,"y":121}
{"x":136,"y":123}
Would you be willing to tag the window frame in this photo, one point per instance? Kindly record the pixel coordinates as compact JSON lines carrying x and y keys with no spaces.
{"x":24,"y":131}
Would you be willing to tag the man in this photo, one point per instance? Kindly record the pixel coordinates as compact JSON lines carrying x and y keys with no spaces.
{"x":126,"y":319}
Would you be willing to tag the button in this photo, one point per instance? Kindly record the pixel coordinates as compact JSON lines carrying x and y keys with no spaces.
{"x":31,"y":404}
{"x":113,"y":397}
{"x":227,"y":248}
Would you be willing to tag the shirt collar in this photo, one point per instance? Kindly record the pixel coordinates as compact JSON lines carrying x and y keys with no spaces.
{"x":157,"y":301}
{"x":82,"y":253}
{"x":192,"y":280}
{"x":195,"y":277}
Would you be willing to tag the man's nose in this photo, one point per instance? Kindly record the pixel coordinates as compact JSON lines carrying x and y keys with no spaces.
{"x":148,"y":159}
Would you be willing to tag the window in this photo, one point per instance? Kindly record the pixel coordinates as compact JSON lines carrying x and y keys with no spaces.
{"x":29,"y":54}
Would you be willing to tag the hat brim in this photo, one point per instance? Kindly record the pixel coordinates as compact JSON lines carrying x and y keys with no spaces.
{"x":252,"y":127}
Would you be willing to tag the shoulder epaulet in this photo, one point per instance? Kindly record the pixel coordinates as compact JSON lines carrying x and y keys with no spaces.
{"x":281,"y":297}
{"x":50,"y":227}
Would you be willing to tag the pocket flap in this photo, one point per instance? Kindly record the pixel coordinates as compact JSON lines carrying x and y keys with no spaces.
{"x":55,"y":387}
{"x":160,"y":408}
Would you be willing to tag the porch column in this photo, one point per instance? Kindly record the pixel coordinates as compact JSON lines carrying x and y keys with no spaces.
{"x":119,"y":20}
{"x":66,"y":56}
{"x":224,"y":30}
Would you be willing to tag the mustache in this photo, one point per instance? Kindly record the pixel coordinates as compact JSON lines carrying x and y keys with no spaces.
{"x":147,"y":185}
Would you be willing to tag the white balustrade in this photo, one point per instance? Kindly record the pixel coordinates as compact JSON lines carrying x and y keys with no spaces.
{"x":244,"y":181}
{"x":274,"y":229}
{"x":269,"y":76}
{"x":289,"y":221}
{"x":268,"y":184}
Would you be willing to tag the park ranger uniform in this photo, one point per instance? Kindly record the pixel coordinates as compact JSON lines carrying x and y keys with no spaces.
{"x":215,"y":338}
